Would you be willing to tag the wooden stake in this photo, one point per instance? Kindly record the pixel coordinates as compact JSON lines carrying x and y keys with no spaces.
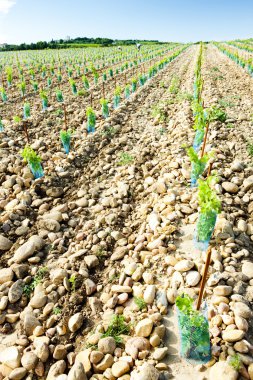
{"x":91,"y":99}
{"x":103,"y":89}
{"x":203,"y":281}
{"x":26,"y":130}
{"x":209,"y":169}
{"x":65,"y":116}
{"x":204,"y":143}
{"x":125,"y":79}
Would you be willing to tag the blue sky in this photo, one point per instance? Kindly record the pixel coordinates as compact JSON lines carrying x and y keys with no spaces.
{"x":171,"y":20}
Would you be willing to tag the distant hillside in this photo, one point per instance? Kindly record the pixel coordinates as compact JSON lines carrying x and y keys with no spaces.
{"x":74,"y":42}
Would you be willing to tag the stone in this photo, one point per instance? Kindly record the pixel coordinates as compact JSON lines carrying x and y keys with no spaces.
{"x":248,"y":183}
{"x":247,"y":269}
{"x":90,"y":287}
{"x":121,"y":289}
{"x":56,"y":369}
{"x":29,"y":360}
{"x":242,"y":310}
{"x":105,"y":363}
{"x":50,"y":225}
{"x":161,"y":187}
{"x":192,"y":278}
{"x":10,"y":357}
{"x":16,"y":291}
{"x":75,"y":322}
{"x":5,"y":244}
{"x":91,"y":261}
{"x":58,"y":275}
{"x":231,"y":336}
{"x":149,"y":294}
{"x":144,"y":327}
{"x":222,"y":290}
{"x":38,"y":300}
{"x":184,"y":266}
{"x":35,"y":243}
{"x":160,"y":353}
{"x":96,"y":357}
{"x":18,"y":373}
{"x":120,"y":368}
{"x":153,"y":220}
{"x":6,"y":275}
{"x":146,"y":372}
{"x":107,"y":345}
{"x":60,"y":352}
{"x":54,"y":192}
{"x":250,"y":371}
{"x":222,"y":371}
{"x":30,"y":322}
{"x":136,"y":344}
{"x":42,"y":351}
{"x":77,"y":372}
{"x":230,"y":187}
{"x":242,"y":225}
{"x":119,"y":253}
{"x":84,"y":358}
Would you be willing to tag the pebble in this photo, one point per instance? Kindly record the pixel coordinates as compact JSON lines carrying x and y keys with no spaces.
{"x":144,"y":327}
{"x":75,"y":322}
{"x":6,"y":275}
{"x":5,"y":244}
{"x":107,"y":345}
{"x":120,"y":368}
{"x":146,"y":372}
{"x":247,"y":269}
{"x":149,"y":294}
{"x":184,"y":266}
{"x":16,"y":291}
{"x":222,"y":371}
{"x":231,"y":336}
{"x":230,"y":187}
{"x":35,"y":243}
{"x":10,"y":357}
{"x":160,"y":353}
{"x":192,"y":278}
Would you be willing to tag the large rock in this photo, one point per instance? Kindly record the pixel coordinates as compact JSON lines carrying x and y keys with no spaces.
{"x":10,"y":357}
{"x":222,"y":371}
{"x":136,"y":344}
{"x":35,"y":243}
{"x":241,"y":310}
{"x":192,"y":278}
{"x":38,"y":300}
{"x":107,"y":345}
{"x":231,"y":336}
{"x":77,"y":372}
{"x":56,"y":369}
{"x":84,"y":358}
{"x":119,"y":253}
{"x":6,"y":274}
{"x":248,"y":183}
{"x":75,"y":322}
{"x":120,"y":368}
{"x":184,"y":266}
{"x":230,"y":187}
{"x":30,"y":322}
{"x":5,"y":244}
{"x":144,"y":327}
{"x":146,"y":372}
{"x":16,"y":291}
{"x":18,"y":373}
{"x":247,"y":269}
{"x":29,"y":360}
{"x":149,"y":294}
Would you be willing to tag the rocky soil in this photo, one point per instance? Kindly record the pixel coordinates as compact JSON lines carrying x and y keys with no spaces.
{"x":94,"y":254}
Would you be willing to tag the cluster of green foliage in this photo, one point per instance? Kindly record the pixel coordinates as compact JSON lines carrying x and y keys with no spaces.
{"x":125,"y":159}
{"x":65,"y":136}
{"x":140,"y":303}
{"x":28,"y":289}
{"x":208,"y":200}
{"x":116,"y":328}
{"x":235,"y":362}
{"x":30,"y":156}
{"x":195,"y":341}
{"x":72,"y":281}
